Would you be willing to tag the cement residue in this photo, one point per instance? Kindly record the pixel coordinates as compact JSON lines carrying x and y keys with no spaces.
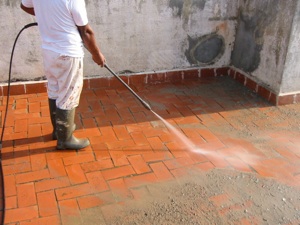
{"x":193,"y":200}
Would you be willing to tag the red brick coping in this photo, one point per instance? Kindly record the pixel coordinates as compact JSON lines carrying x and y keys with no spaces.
{"x":162,"y":77}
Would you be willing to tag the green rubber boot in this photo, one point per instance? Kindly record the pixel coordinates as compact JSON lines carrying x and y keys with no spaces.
{"x":65,"y":129}
{"x":52,"y":108}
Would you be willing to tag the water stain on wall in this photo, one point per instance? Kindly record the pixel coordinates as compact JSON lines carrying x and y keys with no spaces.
{"x":179,"y":6}
{"x":11,"y":3}
{"x":205,"y":50}
{"x":250,"y":34}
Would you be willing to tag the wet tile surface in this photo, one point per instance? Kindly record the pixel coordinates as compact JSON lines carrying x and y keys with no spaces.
{"x":224,"y":126}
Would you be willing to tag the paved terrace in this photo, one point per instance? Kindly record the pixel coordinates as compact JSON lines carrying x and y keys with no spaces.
{"x":132,"y":149}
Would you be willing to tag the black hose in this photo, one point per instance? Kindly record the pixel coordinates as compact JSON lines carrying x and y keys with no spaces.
{"x":9,"y":78}
{"x":5,"y":115}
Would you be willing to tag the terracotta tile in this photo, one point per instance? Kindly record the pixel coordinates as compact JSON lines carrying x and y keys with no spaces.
{"x":161,"y":171}
{"x":108,"y":211}
{"x":179,"y":162}
{"x":76,"y":174}
{"x":51,"y":184}
{"x":69,"y":211}
{"x":118,"y":172}
{"x":206,"y":166}
{"x":18,"y":89}
{"x":11,"y":202}
{"x":16,"y":169}
{"x":36,"y":88}
{"x":47,"y":204}
{"x":26,"y":195}
{"x":252,"y":85}
{"x":217,"y":161}
{"x":140,"y":193}
{"x":99,"y":82}
{"x":156,"y":143}
{"x":92,"y":201}
{"x":238,"y":164}
{"x":156,"y":78}
{"x":207,"y":73}
{"x":115,"y":83}
{"x":86,"y":84}
{"x":297,"y":98}
{"x":121,"y":132}
{"x":89,"y":123}
{"x":120,"y":190}
{"x":97,"y":181}
{"x":137,"y":79}
{"x":140,"y":180}
{"x":74,"y":191}
{"x":139,"y":138}
{"x":240,"y":78}
{"x":88,"y":133}
{"x":173,"y":76}
{"x":285,"y":100}
{"x":197,"y":156}
{"x":207,"y":135}
{"x":180,"y":172}
{"x":263,"y":92}
{"x":19,"y":214}
{"x":191,"y":74}
{"x":273,"y":99}
{"x":138,"y":164}
{"x":34,"y":130}
{"x":224,"y":71}
{"x":115,"y":145}
{"x":56,"y":168}
{"x":119,"y":158}
{"x":157,"y":156}
{"x":38,"y":120}
{"x":76,"y":159}
{"x":97,"y":165}
{"x":53,"y":220}
{"x":32,"y":176}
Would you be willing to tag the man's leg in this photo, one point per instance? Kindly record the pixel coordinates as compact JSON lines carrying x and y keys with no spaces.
{"x":65,"y":81}
{"x":52,"y":87}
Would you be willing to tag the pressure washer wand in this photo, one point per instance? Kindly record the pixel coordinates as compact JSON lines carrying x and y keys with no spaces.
{"x":147,"y":106}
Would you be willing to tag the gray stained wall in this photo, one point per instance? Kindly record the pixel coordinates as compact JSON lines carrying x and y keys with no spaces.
{"x":154,"y":35}
{"x":263,"y":41}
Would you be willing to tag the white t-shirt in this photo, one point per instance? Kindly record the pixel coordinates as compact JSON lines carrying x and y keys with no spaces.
{"x":57,"y":20}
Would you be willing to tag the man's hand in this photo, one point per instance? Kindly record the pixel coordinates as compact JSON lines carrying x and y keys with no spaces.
{"x":88,"y":38}
{"x":99,"y":59}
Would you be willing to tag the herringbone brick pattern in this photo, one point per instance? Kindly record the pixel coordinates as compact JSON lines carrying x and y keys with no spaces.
{"x":131,"y":147}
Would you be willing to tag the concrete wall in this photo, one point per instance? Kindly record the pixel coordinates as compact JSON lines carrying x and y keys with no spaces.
{"x":291,"y":74}
{"x":260,"y":37}
{"x":137,"y":36}
{"x":263,"y":39}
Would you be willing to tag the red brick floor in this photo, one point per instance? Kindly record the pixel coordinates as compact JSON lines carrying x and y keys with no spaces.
{"x":131,"y":147}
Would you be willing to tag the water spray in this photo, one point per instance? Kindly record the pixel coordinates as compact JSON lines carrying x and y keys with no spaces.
{"x":147,"y":106}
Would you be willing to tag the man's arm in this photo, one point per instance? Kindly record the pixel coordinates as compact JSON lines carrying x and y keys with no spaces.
{"x":28,"y":10}
{"x":88,"y":37}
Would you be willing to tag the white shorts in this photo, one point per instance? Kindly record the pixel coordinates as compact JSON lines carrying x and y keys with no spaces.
{"x":65,"y":78}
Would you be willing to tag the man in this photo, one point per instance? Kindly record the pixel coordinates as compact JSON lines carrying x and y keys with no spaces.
{"x":63,"y":26}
